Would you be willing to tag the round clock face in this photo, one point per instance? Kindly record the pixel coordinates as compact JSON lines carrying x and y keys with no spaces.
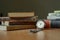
{"x":40,"y":24}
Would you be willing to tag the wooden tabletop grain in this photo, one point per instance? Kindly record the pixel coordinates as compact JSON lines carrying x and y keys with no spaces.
{"x":48,"y":34}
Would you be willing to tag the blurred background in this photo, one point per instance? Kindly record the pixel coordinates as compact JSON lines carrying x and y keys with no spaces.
{"x":40,"y":7}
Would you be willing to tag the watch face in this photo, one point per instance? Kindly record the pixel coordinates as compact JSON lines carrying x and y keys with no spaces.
{"x":40,"y":24}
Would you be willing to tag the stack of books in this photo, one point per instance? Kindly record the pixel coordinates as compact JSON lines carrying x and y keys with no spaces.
{"x":22,"y":20}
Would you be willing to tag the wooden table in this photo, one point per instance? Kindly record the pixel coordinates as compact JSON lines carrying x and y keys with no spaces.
{"x":49,"y":34}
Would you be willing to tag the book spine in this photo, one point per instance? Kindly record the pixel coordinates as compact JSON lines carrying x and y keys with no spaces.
{"x":52,"y":23}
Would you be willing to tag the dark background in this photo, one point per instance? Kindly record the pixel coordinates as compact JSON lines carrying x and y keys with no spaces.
{"x":40,"y":7}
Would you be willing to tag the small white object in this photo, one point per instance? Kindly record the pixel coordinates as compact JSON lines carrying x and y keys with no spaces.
{"x":6,"y":23}
{"x":40,"y":24}
{"x":3,"y":27}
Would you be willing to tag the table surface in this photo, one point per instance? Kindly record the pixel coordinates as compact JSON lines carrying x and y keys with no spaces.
{"x":48,"y":34}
